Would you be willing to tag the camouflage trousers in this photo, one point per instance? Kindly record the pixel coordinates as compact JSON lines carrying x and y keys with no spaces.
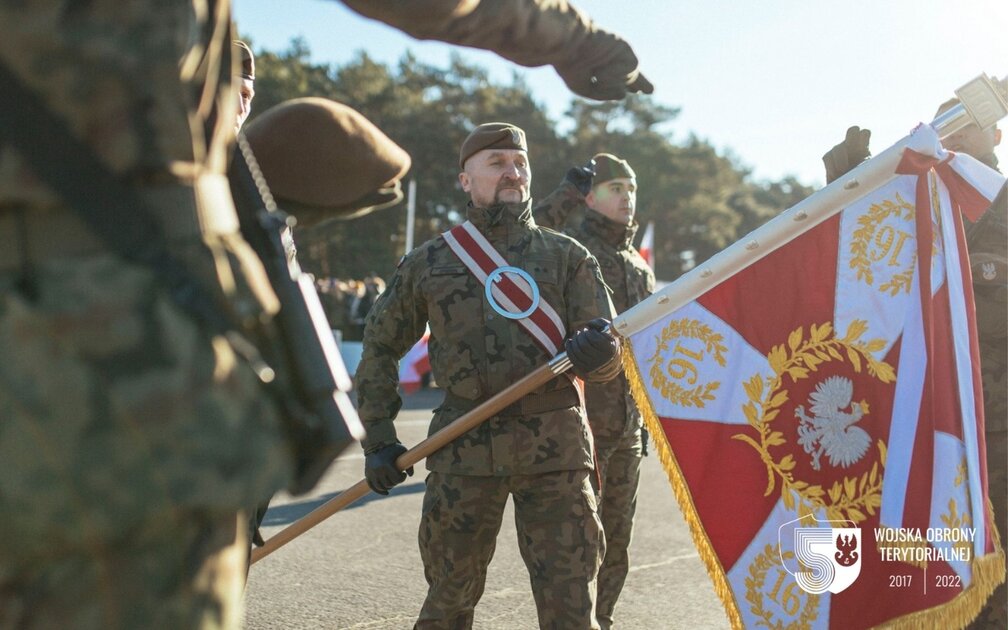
{"x":559,"y":535}
{"x":130,"y":443}
{"x":182,"y":570}
{"x":618,"y":462}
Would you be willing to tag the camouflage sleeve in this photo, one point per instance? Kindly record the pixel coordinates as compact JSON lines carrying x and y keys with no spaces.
{"x":588,"y":298}
{"x":395,"y":322}
{"x":592,"y":62}
{"x":552,"y":212}
{"x":987,"y":240}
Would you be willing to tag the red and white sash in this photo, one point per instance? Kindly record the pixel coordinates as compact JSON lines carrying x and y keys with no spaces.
{"x":511,"y":291}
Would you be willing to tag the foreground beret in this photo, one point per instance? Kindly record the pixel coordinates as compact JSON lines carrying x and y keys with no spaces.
{"x":494,"y":135}
{"x":243,"y":52}
{"x":608,"y":166}
{"x":324,"y":160}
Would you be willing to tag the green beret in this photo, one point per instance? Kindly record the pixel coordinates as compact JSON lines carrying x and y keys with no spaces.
{"x":608,"y":166}
{"x":324,"y":160}
{"x":495,"y":135}
{"x":243,"y":52}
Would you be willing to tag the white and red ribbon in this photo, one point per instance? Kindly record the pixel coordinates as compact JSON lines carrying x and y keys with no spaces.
{"x":513,"y":293}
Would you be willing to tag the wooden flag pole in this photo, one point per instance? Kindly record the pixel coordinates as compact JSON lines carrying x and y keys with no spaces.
{"x":537,"y":378}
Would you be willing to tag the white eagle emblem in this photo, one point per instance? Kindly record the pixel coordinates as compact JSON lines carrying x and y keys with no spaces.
{"x":988,"y":270}
{"x":831,"y":429}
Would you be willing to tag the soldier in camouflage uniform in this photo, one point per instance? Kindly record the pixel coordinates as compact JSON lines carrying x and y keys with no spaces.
{"x":987,"y":242}
{"x":539,"y":449}
{"x":131,"y":437}
{"x":607,"y":199}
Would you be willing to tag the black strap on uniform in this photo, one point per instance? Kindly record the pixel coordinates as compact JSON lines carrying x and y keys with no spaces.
{"x":113,"y":211}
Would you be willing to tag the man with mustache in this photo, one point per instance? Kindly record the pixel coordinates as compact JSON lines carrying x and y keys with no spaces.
{"x":606,"y":193}
{"x":538,"y":450}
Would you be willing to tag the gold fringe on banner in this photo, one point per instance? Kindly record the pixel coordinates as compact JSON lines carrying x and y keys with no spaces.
{"x":668,"y":461}
{"x":988,"y":574}
{"x":988,"y":570}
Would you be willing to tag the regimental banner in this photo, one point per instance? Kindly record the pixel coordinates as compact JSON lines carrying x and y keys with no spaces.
{"x":819,"y":414}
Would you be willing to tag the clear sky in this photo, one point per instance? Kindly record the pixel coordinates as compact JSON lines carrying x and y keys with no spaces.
{"x":775,"y":82}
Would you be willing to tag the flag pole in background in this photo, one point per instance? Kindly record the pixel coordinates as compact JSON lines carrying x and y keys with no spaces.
{"x":410,"y":215}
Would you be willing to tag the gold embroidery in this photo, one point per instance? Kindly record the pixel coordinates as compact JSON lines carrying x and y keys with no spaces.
{"x":887,"y":241}
{"x":852,"y":497}
{"x":789,"y":598}
{"x":683,"y":364}
{"x":961,"y":473}
{"x":954,"y":520}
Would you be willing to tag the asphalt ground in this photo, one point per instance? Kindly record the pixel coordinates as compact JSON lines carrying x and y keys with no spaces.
{"x":361,"y":568}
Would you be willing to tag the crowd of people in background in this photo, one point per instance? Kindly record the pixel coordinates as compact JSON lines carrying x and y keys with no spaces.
{"x":347,"y":302}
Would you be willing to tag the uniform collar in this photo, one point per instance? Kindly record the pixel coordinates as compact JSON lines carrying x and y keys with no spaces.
{"x":611,"y":232}
{"x":500,"y":215}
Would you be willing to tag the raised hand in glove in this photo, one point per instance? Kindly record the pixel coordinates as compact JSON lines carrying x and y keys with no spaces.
{"x":581,"y":176}
{"x":848,"y":154}
{"x":605,"y":68}
{"x":590,"y":349}
{"x":380,"y":470}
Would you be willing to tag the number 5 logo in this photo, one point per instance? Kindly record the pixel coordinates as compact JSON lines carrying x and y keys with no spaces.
{"x":829,"y":558}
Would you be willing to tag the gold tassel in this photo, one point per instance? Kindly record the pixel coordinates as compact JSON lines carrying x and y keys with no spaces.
{"x":988,"y":574}
{"x":988,"y":571}
{"x":668,"y":461}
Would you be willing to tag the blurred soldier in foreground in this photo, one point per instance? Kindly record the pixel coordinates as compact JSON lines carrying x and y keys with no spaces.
{"x":606,"y":192}
{"x":135,"y":429}
{"x":539,"y":449}
{"x":133,"y":433}
{"x":987,"y":242}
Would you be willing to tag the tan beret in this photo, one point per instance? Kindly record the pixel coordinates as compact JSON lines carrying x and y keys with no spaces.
{"x":608,"y":166}
{"x":325,"y":160}
{"x":242,"y":51}
{"x":494,"y":135}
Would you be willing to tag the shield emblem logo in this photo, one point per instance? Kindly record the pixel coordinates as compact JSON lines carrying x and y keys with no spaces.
{"x":820,"y":557}
{"x":830,"y":558}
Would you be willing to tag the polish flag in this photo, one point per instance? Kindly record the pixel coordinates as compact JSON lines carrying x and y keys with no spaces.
{"x":647,"y":244}
{"x":414,"y":366}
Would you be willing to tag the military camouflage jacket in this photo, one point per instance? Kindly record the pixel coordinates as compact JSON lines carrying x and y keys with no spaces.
{"x":987,"y":240}
{"x":476,"y":352}
{"x":611,"y":410}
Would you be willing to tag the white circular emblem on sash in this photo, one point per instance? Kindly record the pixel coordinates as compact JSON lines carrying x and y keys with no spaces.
{"x":500,"y":271}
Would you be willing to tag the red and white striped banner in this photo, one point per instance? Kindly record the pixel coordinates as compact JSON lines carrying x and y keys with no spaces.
{"x":511,"y":292}
{"x":819,"y":412}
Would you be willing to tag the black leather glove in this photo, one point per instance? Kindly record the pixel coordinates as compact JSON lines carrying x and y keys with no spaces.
{"x":581,"y":176}
{"x":604,"y":67}
{"x":848,"y":154}
{"x":380,"y":469}
{"x":589,"y":348}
